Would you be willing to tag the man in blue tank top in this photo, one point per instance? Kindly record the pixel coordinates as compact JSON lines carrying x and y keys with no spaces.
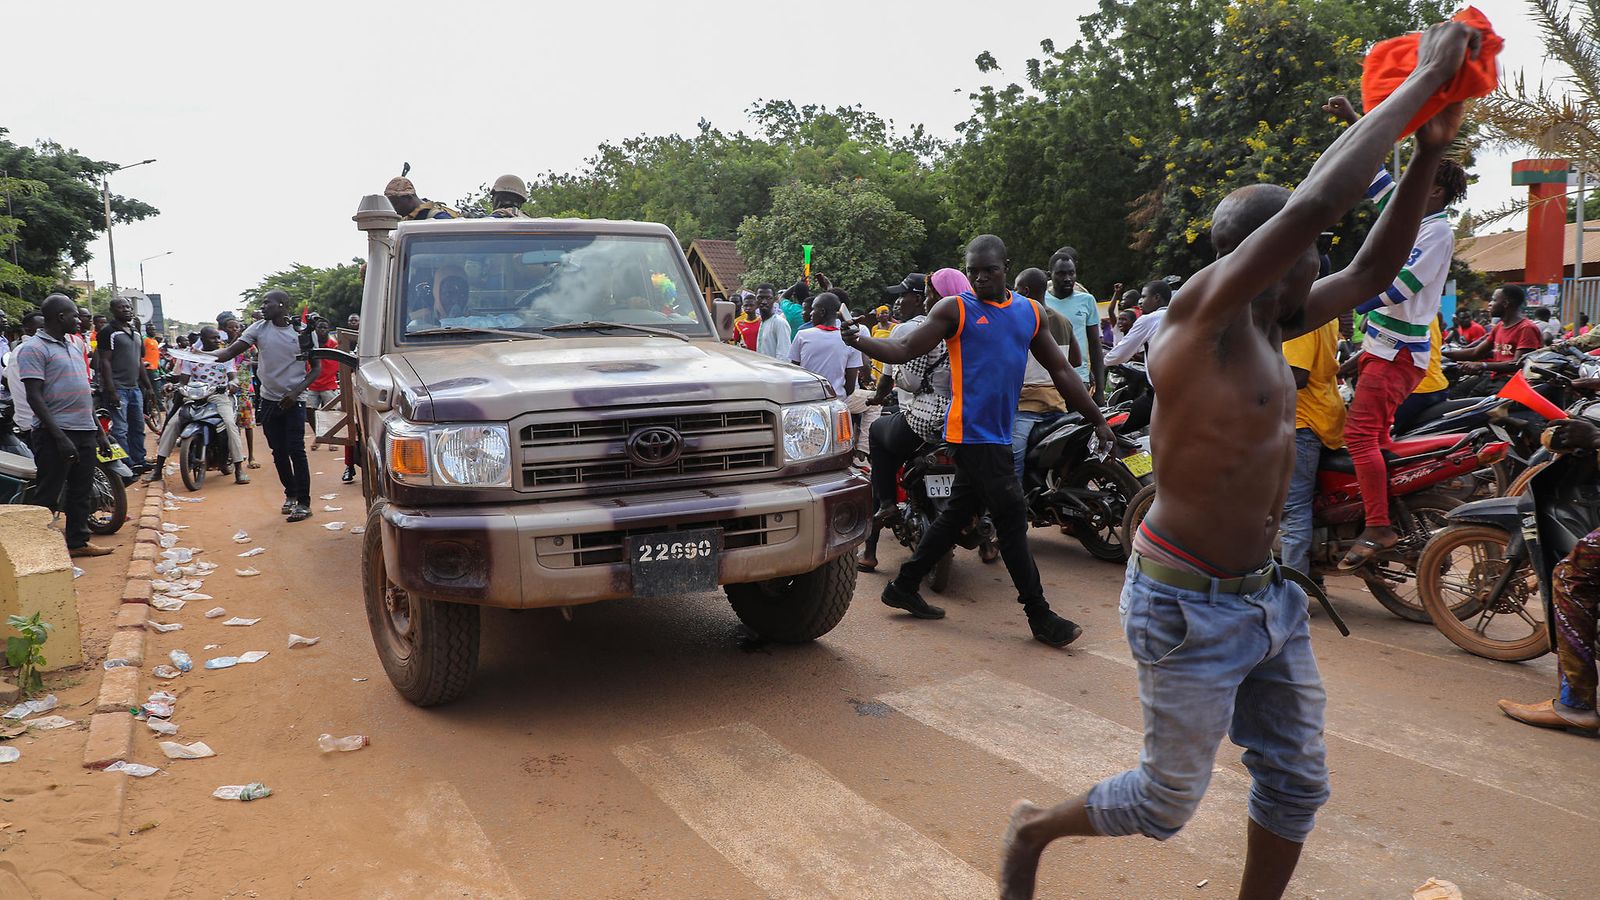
{"x":989,"y":333}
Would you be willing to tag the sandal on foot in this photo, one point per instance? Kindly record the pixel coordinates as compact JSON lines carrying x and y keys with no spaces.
{"x":1355,"y":558}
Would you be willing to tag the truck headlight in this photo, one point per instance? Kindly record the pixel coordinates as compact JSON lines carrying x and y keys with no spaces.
{"x":449,"y":455}
{"x":812,"y":430}
{"x":472,"y":455}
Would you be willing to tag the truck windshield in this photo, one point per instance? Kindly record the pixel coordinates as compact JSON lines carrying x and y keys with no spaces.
{"x":469,"y":287}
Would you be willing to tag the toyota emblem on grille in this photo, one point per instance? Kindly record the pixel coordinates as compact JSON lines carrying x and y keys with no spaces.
{"x":655,"y":446}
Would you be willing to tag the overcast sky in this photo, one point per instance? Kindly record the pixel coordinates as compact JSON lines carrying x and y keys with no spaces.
{"x":270,"y":121}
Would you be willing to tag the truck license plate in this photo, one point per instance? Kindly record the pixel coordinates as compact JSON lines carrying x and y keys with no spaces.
{"x":677,"y":562}
{"x":1140,"y":464}
{"x":939,"y":485}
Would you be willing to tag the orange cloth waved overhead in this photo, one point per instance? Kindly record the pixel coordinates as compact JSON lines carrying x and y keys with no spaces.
{"x":1391,"y":61}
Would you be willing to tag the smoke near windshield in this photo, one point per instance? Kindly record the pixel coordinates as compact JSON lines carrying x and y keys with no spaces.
{"x":534,"y":281}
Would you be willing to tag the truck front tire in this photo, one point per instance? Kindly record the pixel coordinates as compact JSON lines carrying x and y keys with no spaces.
{"x":428,"y":648}
{"x":800,"y":608}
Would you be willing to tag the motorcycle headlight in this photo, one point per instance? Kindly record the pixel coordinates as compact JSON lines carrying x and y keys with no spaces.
{"x":196,"y":391}
{"x":472,"y":456}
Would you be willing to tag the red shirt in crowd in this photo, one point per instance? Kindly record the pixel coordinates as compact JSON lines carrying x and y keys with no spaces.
{"x":328,"y":375}
{"x":1506,"y":340}
{"x":1471,"y":333}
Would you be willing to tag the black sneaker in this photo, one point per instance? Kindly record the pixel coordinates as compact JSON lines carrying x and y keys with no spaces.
{"x":288,"y":507}
{"x":1051,"y":629}
{"x":910,"y":601}
{"x":349,"y":474}
{"x":299,"y":513}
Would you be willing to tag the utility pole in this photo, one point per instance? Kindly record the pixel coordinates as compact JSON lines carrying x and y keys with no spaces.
{"x":105,"y":195}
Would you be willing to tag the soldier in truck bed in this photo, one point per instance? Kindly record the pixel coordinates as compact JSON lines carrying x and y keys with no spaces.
{"x":507,"y":196}
{"x":403,"y":197}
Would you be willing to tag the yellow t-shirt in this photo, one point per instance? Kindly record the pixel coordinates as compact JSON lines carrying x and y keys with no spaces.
{"x":880,"y":330}
{"x":1434,"y":380}
{"x":1318,"y":405}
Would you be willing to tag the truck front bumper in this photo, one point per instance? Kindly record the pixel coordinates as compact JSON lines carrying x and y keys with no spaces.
{"x":569,"y":552}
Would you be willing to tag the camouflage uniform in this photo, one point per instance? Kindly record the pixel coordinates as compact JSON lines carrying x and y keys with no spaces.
{"x":427,"y":209}
{"x":508,"y":212}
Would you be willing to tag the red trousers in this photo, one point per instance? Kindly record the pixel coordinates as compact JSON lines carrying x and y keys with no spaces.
{"x":1382,"y":385}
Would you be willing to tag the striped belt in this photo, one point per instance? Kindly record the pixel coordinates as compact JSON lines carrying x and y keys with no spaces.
{"x":1194,"y":581}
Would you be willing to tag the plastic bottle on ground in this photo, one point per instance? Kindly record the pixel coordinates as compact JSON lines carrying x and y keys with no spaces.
{"x":181,"y":660}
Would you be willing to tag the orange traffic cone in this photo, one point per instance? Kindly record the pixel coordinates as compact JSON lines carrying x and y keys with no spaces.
{"x":1520,"y":390}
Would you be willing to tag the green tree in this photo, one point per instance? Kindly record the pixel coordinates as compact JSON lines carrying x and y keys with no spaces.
{"x":15,"y":281}
{"x":862,"y":241}
{"x":334,"y":292}
{"x":55,"y":224}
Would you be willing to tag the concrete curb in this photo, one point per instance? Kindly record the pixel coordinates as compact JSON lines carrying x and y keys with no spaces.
{"x":111,"y":728}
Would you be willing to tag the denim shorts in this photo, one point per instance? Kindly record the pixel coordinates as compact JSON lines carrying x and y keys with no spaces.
{"x":1212,"y":664}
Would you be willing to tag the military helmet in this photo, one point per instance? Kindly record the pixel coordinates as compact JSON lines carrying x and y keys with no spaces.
{"x":511,"y":184}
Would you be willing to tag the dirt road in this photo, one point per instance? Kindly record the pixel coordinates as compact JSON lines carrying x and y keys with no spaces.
{"x":645,"y":749}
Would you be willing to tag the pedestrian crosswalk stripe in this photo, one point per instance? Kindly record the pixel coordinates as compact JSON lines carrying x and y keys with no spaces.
{"x":788,"y":825}
{"x":1072,"y":749}
{"x":1411,"y":737}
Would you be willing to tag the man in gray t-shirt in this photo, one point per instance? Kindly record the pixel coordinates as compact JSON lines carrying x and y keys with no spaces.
{"x":282,"y":415}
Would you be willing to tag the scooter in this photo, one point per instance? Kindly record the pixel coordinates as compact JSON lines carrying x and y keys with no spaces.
{"x":203,"y":437}
{"x":1416,"y":508}
{"x":1486,"y":578}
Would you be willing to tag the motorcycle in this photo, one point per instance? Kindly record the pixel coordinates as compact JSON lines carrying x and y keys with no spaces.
{"x":1549,"y":373}
{"x":1417,"y":510}
{"x":1485,"y":579}
{"x":203,"y":437}
{"x":924,"y":490}
{"x":1086,"y":494}
{"x":19,"y":481}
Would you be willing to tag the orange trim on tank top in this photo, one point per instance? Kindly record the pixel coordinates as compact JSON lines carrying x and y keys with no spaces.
{"x":952,"y":427}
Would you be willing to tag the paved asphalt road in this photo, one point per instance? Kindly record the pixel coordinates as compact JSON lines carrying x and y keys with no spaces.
{"x":647,"y":749}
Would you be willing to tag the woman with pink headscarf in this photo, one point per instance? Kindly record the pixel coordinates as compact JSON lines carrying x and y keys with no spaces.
{"x":923,"y":385}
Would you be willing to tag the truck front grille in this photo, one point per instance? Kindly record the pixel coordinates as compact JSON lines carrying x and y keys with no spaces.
{"x":584,"y":454}
{"x":606,"y":548}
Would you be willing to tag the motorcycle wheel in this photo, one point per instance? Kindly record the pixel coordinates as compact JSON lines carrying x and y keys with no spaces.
{"x":192,"y":462}
{"x":110,"y":508}
{"x":1520,"y":484}
{"x":1138,"y":507}
{"x":939,"y":579}
{"x":1459,"y":569}
{"x":1118,"y":486}
{"x":1393,"y":582}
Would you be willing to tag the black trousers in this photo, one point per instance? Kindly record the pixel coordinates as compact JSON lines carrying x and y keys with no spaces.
{"x":890,"y":443}
{"x":985,"y":477}
{"x":66,"y":486}
{"x":285,"y":430}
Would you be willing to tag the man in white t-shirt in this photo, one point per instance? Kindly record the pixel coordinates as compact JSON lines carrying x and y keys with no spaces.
{"x":819,"y":349}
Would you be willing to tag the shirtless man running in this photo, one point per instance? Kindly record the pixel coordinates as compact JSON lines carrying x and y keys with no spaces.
{"x":1220,"y":638}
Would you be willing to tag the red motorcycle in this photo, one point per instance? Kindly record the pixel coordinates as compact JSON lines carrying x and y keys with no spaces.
{"x":1415,"y":466}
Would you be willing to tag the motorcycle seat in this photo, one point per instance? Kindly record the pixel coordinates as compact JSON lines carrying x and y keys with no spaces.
{"x":18,"y":466}
{"x":1444,"y":408}
{"x":1340,"y":461}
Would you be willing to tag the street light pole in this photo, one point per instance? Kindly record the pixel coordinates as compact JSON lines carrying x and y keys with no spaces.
{"x":141,"y":267}
{"x":105,"y":195}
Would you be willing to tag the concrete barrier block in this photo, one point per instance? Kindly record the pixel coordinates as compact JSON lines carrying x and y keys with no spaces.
{"x":128,"y":644}
{"x":133,"y":615}
{"x":110,"y":739}
{"x":137,"y":590}
{"x":145,"y":553}
{"x":36,"y":576}
{"x":119,"y":690}
{"x":148,"y":536}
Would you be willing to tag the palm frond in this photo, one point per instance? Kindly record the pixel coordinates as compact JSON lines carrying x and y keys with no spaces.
{"x":1573,"y":47}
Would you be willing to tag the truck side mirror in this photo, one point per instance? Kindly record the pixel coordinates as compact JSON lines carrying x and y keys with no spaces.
{"x":722,"y":312}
